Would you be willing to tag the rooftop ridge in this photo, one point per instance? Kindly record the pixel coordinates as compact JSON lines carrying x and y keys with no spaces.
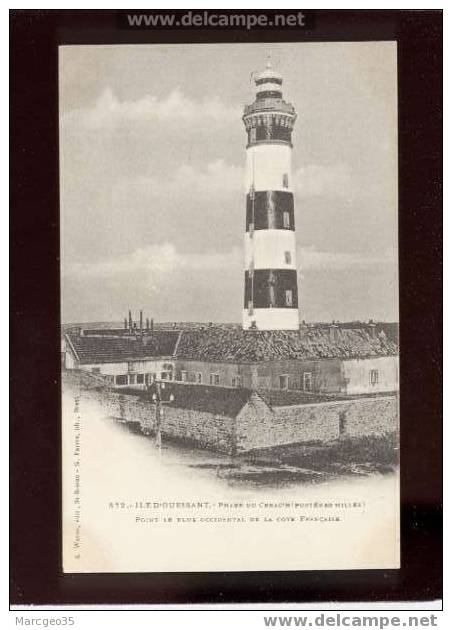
{"x":177,"y":343}
{"x":227,"y":345}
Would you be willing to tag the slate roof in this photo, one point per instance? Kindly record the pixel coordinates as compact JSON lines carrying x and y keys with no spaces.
{"x":391,"y":330}
{"x":227,"y":344}
{"x":106,"y":332}
{"x":92,"y":349}
{"x":313,"y":342}
{"x":227,"y":401}
{"x":222,"y":401}
{"x":287,"y":397}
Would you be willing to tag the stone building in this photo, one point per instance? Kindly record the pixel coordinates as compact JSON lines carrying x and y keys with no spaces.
{"x":123,"y":360}
{"x":345,"y":359}
{"x":234,"y":421}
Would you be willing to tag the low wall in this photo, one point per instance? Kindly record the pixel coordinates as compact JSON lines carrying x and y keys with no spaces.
{"x":203,"y":429}
{"x":258,"y":426}
{"x":370,"y":416}
{"x":318,"y":422}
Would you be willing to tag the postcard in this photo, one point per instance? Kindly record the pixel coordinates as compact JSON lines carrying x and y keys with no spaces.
{"x":229,"y":343}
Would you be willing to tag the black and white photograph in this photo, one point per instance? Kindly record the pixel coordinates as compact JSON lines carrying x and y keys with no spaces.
{"x":229,"y":306}
{"x":226,"y":318}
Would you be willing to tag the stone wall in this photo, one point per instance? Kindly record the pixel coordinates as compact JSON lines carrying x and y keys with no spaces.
{"x":207,"y":430}
{"x":257,"y":425}
{"x":317,"y":422}
{"x":371,"y":416}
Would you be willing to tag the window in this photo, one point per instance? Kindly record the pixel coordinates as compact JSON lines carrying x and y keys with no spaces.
{"x":373,"y":377}
{"x":167,"y":371}
{"x":236,"y":381}
{"x":286,"y":220}
{"x":289,"y":299}
{"x":288,"y":258}
{"x":285,"y":180}
{"x":121,"y":379}
{"x":199,"y":377}
{"x":184,"y":376}
{"x":132,"y":379}
{"x":283,"y":381}
{"x":214,"y":379}
{"x":307,"y":381}
{"x":140,"y":379}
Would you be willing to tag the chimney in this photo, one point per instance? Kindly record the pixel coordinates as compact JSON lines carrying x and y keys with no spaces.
{"x":372,"y":328}
{"x":147,"y":323}
{"x":125,"y":323}
{"x":152,"y":324}
{"x":130,"y":321}
{"x":141,"y":323}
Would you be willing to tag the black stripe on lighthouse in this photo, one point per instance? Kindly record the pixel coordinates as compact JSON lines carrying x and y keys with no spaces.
{"x":272,"y":288}
{"x":268,"y":94}
{"x":268,"y":133}
{"x":273,"y":210}
{"x":267,"y":80}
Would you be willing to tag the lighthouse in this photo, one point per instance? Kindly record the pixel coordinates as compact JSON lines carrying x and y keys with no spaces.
{"x":271,"y":291}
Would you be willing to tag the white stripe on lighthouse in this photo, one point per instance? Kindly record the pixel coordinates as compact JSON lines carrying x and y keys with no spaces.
{"x":270,"y":249}
{"x":271,"y":164}
{"x":269,"y":86}
{"x":272,"y":318}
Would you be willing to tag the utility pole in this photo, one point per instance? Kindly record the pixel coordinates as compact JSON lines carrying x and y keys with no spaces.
{"x":159,"y":402}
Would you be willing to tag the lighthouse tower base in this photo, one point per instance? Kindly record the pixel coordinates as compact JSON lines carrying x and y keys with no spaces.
{"x":271,"y":319}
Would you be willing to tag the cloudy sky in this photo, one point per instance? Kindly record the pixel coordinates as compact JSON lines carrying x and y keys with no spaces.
{"x":152,"y":166}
